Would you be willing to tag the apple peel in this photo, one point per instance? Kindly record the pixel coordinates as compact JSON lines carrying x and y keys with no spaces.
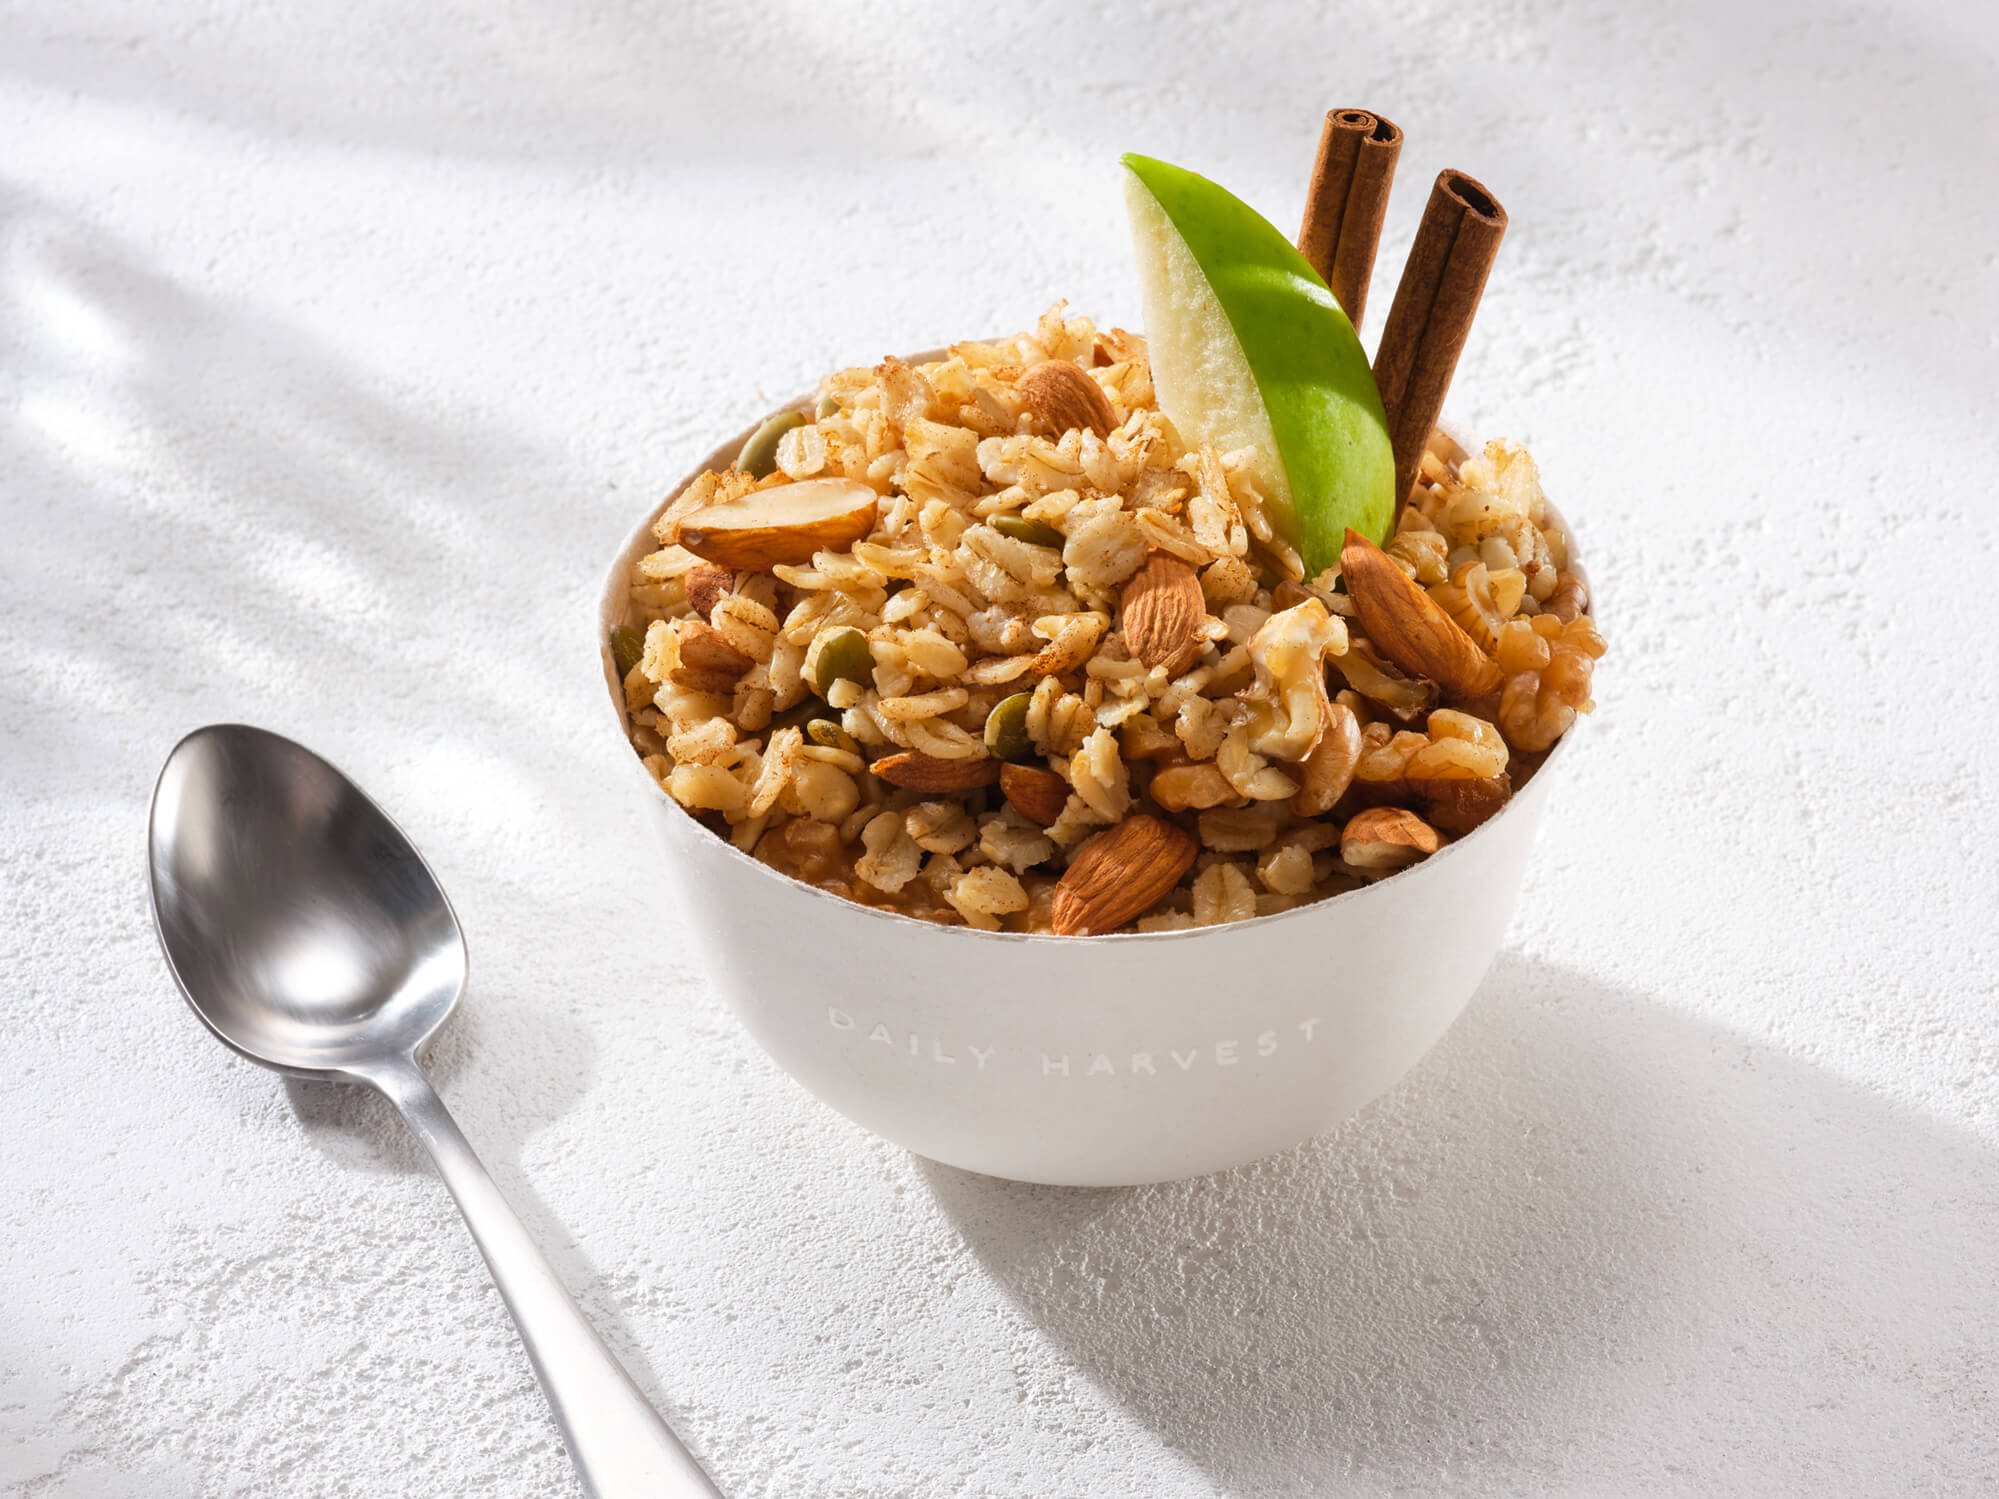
{"x":1249,"y":348}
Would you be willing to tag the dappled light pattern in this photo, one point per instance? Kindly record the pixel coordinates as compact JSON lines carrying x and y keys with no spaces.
{"x":340,"y":346}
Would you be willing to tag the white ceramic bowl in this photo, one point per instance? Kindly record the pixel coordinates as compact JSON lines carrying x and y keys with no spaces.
{"x":1088,"y":1061}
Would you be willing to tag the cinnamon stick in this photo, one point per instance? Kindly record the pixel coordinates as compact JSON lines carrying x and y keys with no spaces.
{"x":1346,"y":202}
{"x":1431,"y":315}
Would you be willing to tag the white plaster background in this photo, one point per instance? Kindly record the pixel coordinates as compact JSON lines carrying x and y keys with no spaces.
{"x":340,"y":344}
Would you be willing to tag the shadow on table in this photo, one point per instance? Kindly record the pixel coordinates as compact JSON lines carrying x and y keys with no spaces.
{"x":352,"y":537}
{"x":1583,"y":1208}
{"x":505,"y":1064}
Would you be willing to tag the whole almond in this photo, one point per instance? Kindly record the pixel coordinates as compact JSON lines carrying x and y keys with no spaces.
{"x":1038,"y":795}
{"x":1409,"y":627}
{"x":1058,"y":396}
{"x":914,"y":771}
{"x":1386,"y":838}
{"x":706,"y":583}
{"x":1162,"y":611}
{"x":1120,"y":874}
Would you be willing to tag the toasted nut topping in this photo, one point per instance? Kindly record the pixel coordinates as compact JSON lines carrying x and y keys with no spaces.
{"x":708,"y":663}
{"x":1179,"y":788}
{"x":704,"y":646}
{"x":1386,"y":838}
{"x":1408,"y":698}
{"x":1162,"y":611}
{"x":1569,"y":599}
{"x":782,"y":523}
{"x":706,"y":583}
{"x":1326,"y":772}
{"x":1120,"y":873}
{"x":915,"y":771}
{"x":1039,"y":795}
{"x":1059,"y":396}
{"x":1460,"y":806}
{"x":1411,"y":628}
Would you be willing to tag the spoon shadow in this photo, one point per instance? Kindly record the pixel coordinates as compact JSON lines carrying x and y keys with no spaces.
{"x":509,"y":1066}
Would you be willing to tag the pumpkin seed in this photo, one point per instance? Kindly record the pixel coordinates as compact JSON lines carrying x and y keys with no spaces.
{"x":627,"y":646}
{"x":823,"y":731}
{"x":1006,"y":728}
{"x":1034,"y":532}
{"x":758,"y":458}
{"x":842,"y":655}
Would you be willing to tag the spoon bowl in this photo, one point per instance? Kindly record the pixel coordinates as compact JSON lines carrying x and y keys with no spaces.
{"x":303,"y":927}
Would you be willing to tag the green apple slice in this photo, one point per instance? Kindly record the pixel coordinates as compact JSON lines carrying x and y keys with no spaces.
{"x":1249,"y":347}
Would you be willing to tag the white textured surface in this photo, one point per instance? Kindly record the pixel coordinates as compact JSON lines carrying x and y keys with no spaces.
{"x":337,"y":353}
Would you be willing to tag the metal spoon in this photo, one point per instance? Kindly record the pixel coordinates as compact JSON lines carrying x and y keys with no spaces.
{"x":310,"y":936}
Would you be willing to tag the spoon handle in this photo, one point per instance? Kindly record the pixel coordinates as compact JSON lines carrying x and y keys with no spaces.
{"x":621,"y":1448}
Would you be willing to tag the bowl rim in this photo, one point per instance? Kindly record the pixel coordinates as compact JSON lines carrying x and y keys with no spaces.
{"x":612,"y":603}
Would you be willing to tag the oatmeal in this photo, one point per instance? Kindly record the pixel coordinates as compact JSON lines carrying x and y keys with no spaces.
{"x":981,"y":641}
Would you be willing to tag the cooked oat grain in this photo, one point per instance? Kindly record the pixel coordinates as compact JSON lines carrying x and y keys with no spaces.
{"x":835,"y":716}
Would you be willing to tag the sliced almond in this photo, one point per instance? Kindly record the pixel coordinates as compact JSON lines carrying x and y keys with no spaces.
{"x":1058,"y":396}
{"x":1324,"y":775}
{"x":706,"y":584}
{"x":915,"y":771}
{"x":1120,"y":874}
{"x":784,"y":523}
{"x":1386,"y":838}
{"x":1411,"y":628}
{"x":1162,"y":611}
{"x":1038,"y":795}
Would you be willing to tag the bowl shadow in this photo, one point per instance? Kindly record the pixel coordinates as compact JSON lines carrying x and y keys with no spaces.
{"x":1583,"y":1208}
